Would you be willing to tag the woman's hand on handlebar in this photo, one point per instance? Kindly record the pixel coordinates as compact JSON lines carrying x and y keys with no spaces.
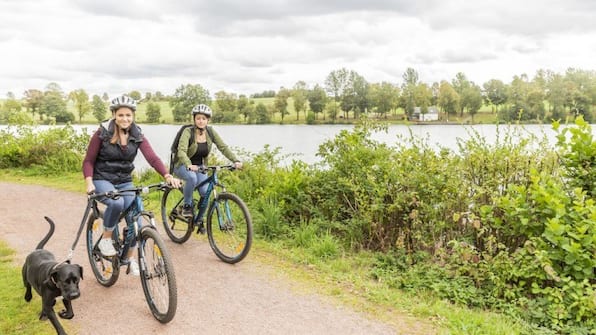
{"x":194,"y":167}
{"x":173,"y":181}
{"x":89,"y":186}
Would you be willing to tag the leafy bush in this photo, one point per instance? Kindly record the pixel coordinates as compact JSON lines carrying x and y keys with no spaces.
{"x":54,"y":150}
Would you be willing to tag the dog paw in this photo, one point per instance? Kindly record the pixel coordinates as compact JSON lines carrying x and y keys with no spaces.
{"x":28,"y":297}
{"x":43,"y":316}
{"x":66,"y":314}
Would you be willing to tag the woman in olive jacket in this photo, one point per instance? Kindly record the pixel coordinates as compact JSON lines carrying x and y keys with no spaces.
{"x":193,"y":150}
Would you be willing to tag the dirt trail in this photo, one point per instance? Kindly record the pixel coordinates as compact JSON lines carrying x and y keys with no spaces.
{"x":213,"y":297}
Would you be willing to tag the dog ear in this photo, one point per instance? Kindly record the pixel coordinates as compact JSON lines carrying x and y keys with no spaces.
{"x":81,"y":271}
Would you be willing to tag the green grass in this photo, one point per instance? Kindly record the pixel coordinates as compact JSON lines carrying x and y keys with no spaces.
{"x":314,"y":265}
{"x":346,"y":279}
{"x":18,"y":316}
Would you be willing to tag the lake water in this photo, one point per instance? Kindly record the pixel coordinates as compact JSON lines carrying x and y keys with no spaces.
{"x":303,"y":140}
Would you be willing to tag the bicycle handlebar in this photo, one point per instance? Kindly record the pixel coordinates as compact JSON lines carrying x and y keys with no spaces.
{"x":162,"y":186}
{"x":205,"y":168}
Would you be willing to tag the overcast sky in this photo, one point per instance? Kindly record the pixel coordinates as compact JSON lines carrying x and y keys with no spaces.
{"x":244,"y":47}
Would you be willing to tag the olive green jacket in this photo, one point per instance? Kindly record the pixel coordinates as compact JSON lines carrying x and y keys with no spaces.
{"x":185,"y":151}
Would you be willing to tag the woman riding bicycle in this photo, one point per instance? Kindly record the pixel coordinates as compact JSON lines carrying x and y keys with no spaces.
{"x":192,"y":154}
{"x":108,"y":166}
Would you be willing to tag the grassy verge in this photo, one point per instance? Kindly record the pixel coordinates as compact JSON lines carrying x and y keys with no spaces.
{"x":345,"y":280}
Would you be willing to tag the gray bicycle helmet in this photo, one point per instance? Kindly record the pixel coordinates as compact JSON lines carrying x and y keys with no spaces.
{"x":123,"y":101}
{"x":202,"y":109}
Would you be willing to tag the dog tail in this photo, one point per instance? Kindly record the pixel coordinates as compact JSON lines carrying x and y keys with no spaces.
{"x":48,"y":235}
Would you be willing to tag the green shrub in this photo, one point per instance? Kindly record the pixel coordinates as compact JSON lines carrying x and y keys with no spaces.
{"x":55,"y":150}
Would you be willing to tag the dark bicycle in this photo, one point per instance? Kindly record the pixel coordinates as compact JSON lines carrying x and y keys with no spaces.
{"x":228,"y":221}
{"x":156,"y":267}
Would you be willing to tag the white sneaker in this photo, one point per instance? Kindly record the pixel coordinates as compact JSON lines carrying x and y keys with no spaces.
{"x":133,"y":267}
{"x":106,"y":247}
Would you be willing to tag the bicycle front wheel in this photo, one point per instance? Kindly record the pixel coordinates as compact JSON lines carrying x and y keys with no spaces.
{"x":177,"y":227}
{"x":157,"y":275}
{"x":229,"y":228}
{"x":105,"y":269}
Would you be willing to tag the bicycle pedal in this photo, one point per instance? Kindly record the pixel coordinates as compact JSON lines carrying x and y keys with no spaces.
{"x":201,"y":229}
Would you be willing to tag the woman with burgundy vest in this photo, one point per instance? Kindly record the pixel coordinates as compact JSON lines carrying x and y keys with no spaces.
{"x":108,"y":166}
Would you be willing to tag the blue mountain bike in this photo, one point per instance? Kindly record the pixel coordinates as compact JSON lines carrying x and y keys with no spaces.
{"x":156,"y":267}
{"x":228,"y":221}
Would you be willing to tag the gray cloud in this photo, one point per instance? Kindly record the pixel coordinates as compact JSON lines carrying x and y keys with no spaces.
{"x":247,"y":47}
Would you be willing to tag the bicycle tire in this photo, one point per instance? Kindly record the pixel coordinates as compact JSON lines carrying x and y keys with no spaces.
{"x":229,"y":228}
{"x":157,"y":275}
{"x":178,"y":228}
{"x":105,"y":269}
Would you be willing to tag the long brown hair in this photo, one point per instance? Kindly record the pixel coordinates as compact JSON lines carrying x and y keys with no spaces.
{"x":116,"y":137}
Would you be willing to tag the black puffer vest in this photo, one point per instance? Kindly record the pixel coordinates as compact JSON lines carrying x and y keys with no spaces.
{"x":114,"y":162}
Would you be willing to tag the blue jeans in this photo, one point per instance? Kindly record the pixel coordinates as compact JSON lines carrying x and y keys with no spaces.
{"x":191,"y":180}
{"x":114,"y":206}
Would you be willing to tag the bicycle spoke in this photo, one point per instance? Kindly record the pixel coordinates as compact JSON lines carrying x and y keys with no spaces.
{"x":177,"y":227}
{"x":104,"y":268}
{"x":229,"y":228}
{"x":158,"y":280}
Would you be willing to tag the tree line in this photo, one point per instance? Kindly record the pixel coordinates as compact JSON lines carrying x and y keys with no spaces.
{"x":344,"y":94}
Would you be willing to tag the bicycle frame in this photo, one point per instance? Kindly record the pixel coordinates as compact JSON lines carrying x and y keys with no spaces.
{"x":212,"y":181}
{"x":131,"y":214}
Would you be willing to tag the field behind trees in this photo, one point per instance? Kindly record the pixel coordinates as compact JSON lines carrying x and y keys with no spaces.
{"x":344,"y":97}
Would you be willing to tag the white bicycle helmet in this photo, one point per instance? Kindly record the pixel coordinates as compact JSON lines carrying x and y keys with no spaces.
{"x":202,"y":109}
{"x":123,"y":101}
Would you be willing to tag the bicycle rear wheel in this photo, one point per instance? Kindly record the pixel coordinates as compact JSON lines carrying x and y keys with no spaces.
{"x":105,"y":269}
{"x":177,"y":227}
{"x":229,"y":228}
{"x":157,"y":275}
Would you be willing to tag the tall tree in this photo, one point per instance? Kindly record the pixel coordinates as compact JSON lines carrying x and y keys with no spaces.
{"x":448,"y":99}
{"x":185,"y":98}
{"x":246,"y":108}
{"x":153,"y":112}
{"x":33,"y":100}
{"x":408,"y":97}
{"x":11,"y":104}
{"x":99,"y":108}
{"x":317,"y":99}
{"x":80,"y":98}
{"x":460,"y":85}
{"x":356,"y":95}
{"x":299,"y":92}
{"x":473,"y":99}
{"x":384,"y":97}
{"x":495,"y":93}
{"x":518,"y":98}
{"x":281,"y":102}
{"x":262,"y":114}
{"x":556,"y":95}
{"x":422,"y":97}
{"x":335,"y":85}
{"x":135,"y":95}
{"x":225,"y":104}
{"x":53,"y":104}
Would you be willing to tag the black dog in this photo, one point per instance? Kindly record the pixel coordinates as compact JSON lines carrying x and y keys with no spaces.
{"x":50,"y":280}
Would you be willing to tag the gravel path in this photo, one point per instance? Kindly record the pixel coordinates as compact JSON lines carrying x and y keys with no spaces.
{"x":213,"y":297}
